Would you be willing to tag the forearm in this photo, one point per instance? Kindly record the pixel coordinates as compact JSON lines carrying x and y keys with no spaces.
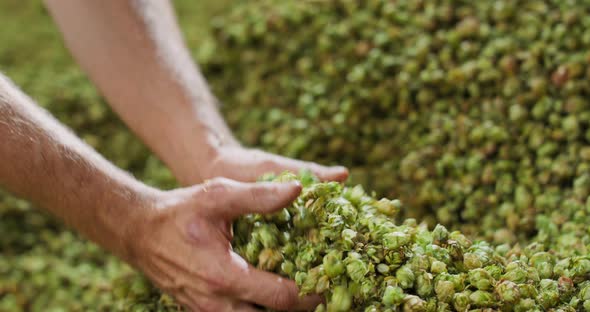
{"x":45,"y":163}
{"x":134,"y":52}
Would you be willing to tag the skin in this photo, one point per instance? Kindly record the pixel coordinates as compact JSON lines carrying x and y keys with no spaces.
{"x":180,"y":239}
{"x":135,"y":54}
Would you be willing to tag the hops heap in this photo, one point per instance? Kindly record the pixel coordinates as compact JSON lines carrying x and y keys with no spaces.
{"x":342,"y":243}
{"x":474,"y":113}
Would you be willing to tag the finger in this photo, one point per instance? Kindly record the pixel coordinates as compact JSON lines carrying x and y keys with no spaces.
{"x":333,"y":173}
{"x":275,"y":292}
{"x":244,"y":307}
{"x":199,"y":302}
{"x":233,"y":199}
{"x":278,"y":164}
{"x":267,"y":289}
{"x":202,"y":303}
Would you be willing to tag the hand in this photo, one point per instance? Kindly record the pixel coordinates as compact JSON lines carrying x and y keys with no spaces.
{"x":184,"y":247}
{"x":243,"y":164}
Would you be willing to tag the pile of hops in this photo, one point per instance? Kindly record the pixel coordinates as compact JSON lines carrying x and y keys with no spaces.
{"x":474,"y":113}
{"x":343,"y":244}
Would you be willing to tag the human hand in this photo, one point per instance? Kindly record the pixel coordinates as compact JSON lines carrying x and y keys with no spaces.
{"x":184,"y":247}
{"x":243,"y":164}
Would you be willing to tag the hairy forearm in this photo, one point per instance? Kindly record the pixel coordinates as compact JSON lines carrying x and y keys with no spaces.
{"x":45,"y":163}
{"x":134,"y":52}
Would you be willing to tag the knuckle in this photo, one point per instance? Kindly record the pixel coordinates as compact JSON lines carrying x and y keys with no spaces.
{"x":314,"y":168}
{"x":171,"y":286}
{"x":268,"y":164}
{"x":217,"y":184}
{"x":217,"y":283}
{"x":208,"y":305}
{"x":213,"y":190}
{"x":283,"y":298}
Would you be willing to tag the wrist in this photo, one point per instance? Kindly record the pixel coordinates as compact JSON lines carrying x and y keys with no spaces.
{"x":190,"y":141}
{"x":119,"y":222}
{"x":192,"y":159}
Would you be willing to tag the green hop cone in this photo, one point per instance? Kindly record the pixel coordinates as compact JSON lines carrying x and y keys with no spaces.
{"x":581,"y":268}
{"x":544,"y":263}
{"x":288,"y":268}
{"x":445,"y":290}
{"x":549,"y":293}
{"x":333,"y":265}
{"x":516,"y":272}
{"x":252,"y":251}
{"x":383,"y":268}
{"x":424,"y":285}
{"x":269,"y":259}
{"x":438,"y":267}
{"x":340,"y":301}
{"x":405,"y":276}
{"x":414,"y":304}
{"x":393,"y":296}
{"x":348,"y":237}
{"x":482,"y":299}
{"x":566,"y":287}
{"x":323,"y":284}
{"x":356,"y":268}
{"x":440,"y":234}
{"x":507,"y":291}
{"x":389,"y":207}
{"x":472,"y":261}
{"x":462,"y":301}
{"x":268,"y":235}
{"x":526,"y":304}
{"x":481,"y":279}
{"x":395,"y":240}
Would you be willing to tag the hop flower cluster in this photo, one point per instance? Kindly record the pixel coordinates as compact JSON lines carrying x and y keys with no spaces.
{"x":474,"y":113}
{"x":344,"y":244}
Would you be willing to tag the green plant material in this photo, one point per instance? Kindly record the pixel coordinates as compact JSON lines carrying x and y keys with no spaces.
{"x":445,"y":290}
{"x":481,"y":279}
{"x":507,"y":291}
{"x":473,"y":114}
{"x":393,"y":296}
{"x":361,"y":279}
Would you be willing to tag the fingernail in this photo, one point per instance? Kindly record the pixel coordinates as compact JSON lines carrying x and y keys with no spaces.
{"x":338,"y":169}
{"x":290,"y":184}
{"x":295,"y":183}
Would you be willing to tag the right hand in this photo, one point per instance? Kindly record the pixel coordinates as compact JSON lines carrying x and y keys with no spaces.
{"x":184,"y":247}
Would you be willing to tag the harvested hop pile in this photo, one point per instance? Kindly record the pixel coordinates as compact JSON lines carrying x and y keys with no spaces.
{"x":474,"y":113}
{"x":342,"y":243}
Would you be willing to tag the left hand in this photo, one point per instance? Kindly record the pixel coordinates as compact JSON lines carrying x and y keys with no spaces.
{"x":247,"y":165}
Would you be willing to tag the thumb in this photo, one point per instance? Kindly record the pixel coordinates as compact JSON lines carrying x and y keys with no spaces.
{"x":232,"y":199}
